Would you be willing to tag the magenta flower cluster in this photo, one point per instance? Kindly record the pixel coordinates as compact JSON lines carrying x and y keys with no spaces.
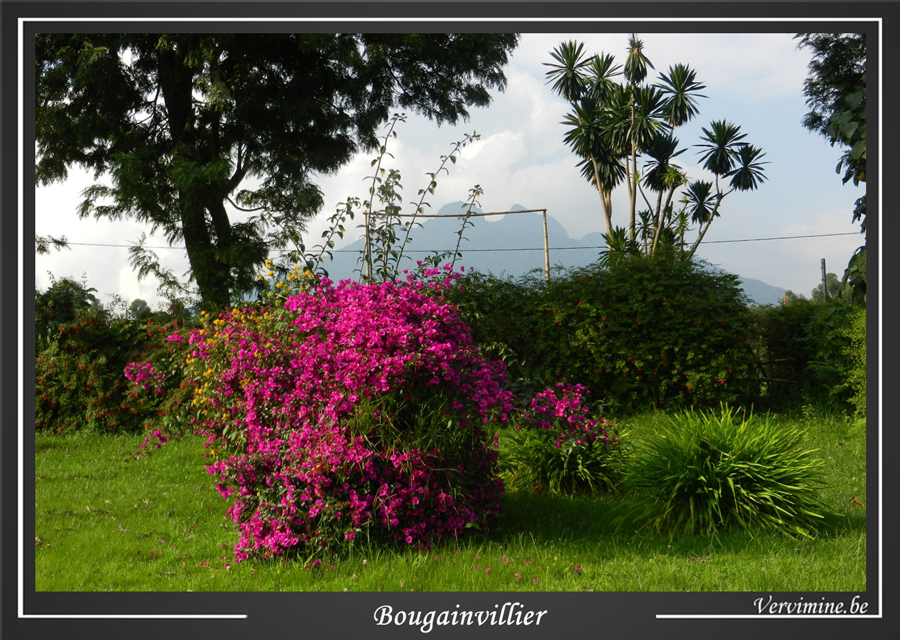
{"x":353,"y":410}
{"x":144,"y":375}
{"x":562,"y":409}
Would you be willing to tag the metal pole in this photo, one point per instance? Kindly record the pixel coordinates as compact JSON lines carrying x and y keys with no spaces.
{"x":546,"y":250}
{"x":824,"y":281}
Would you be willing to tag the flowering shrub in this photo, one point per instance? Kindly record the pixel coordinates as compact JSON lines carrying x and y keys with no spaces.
{"x":79,"y":382}
{"x":558,"y":447}
{"x":348,"y":411}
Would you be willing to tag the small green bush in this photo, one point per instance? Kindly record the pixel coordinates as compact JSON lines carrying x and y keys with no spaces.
{"x":707,"y":472}
{"x":557,"y":446}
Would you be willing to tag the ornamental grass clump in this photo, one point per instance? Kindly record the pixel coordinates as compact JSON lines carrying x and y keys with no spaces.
{"x":557,"y":447}
{"x":707,"y":472}
{"x":347,"y":413}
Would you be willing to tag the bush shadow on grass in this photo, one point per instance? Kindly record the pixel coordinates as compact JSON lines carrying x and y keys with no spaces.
{"x":558,"y":518}
{"x":575,"y":520}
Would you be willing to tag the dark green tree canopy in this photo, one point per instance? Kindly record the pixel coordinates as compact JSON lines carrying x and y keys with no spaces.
{"x":182,"y":123}
{"x":837,"y":68}
{"x":835,"y":91}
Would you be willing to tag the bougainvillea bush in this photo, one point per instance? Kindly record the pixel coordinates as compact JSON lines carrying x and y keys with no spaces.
{"x":559,"y":447}
{"x":346,"y":413}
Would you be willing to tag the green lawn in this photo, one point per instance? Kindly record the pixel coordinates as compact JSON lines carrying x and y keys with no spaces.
{"x":158,"y":524}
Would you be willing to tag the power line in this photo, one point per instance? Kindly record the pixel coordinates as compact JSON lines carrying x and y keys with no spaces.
{"x":820,"y":235}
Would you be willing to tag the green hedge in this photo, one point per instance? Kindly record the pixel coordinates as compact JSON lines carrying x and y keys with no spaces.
{"x":645,"y":333}
{"x":79,"y":375}
{"x":806,"y":355}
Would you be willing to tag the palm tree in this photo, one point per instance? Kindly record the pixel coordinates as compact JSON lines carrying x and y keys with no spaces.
{"x":586,"y":83}
{"x":612,"y":125}
{"x":663,"y":178}
{"x":598,"y":164}
{"x":680,"y":87}
{"x":725,"y":155}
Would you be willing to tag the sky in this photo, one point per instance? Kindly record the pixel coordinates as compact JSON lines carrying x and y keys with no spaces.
{"x":752,"y":80}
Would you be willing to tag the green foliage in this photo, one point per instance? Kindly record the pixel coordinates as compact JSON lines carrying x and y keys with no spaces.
{"x":80,"y":382}
{"x":835,"y":91}
{"x":648,"y":332}
{"x":804,"y":354}
{"x":856,"y":377}
{"x":837,"y":67}
{"x":531,"y":461}
{"x":834,"y":288}
{"x":43,"y":244}
{"x":855,"y":274}
{"x":708,"y":472}
{"x":62,"y":302}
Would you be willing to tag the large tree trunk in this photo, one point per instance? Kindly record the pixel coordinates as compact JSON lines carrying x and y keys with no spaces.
{"x":210,"y":274}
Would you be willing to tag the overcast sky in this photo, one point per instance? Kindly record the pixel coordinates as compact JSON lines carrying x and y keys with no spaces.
{"x":753,"y":80}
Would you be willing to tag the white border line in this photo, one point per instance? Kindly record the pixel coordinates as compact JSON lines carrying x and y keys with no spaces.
{"x":21,"y":213}
{"x":450,"y":19}
{"x":780,"y":616}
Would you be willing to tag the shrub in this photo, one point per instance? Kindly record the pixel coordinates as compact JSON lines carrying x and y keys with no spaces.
{"x":805,"y":355}
{"x":348,"y":412}
{"x":856,"y":377}
{"x":79,"y":382}
{"x":644,"y":333}
{"x":706,"y":472}
{"x":557,"y":447}
{"x":63,"y":302}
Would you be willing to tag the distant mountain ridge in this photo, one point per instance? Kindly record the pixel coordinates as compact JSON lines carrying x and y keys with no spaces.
{"x":509,"y":247}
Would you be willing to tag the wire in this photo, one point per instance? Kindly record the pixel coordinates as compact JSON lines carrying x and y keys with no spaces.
{"x":821,"y":235}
